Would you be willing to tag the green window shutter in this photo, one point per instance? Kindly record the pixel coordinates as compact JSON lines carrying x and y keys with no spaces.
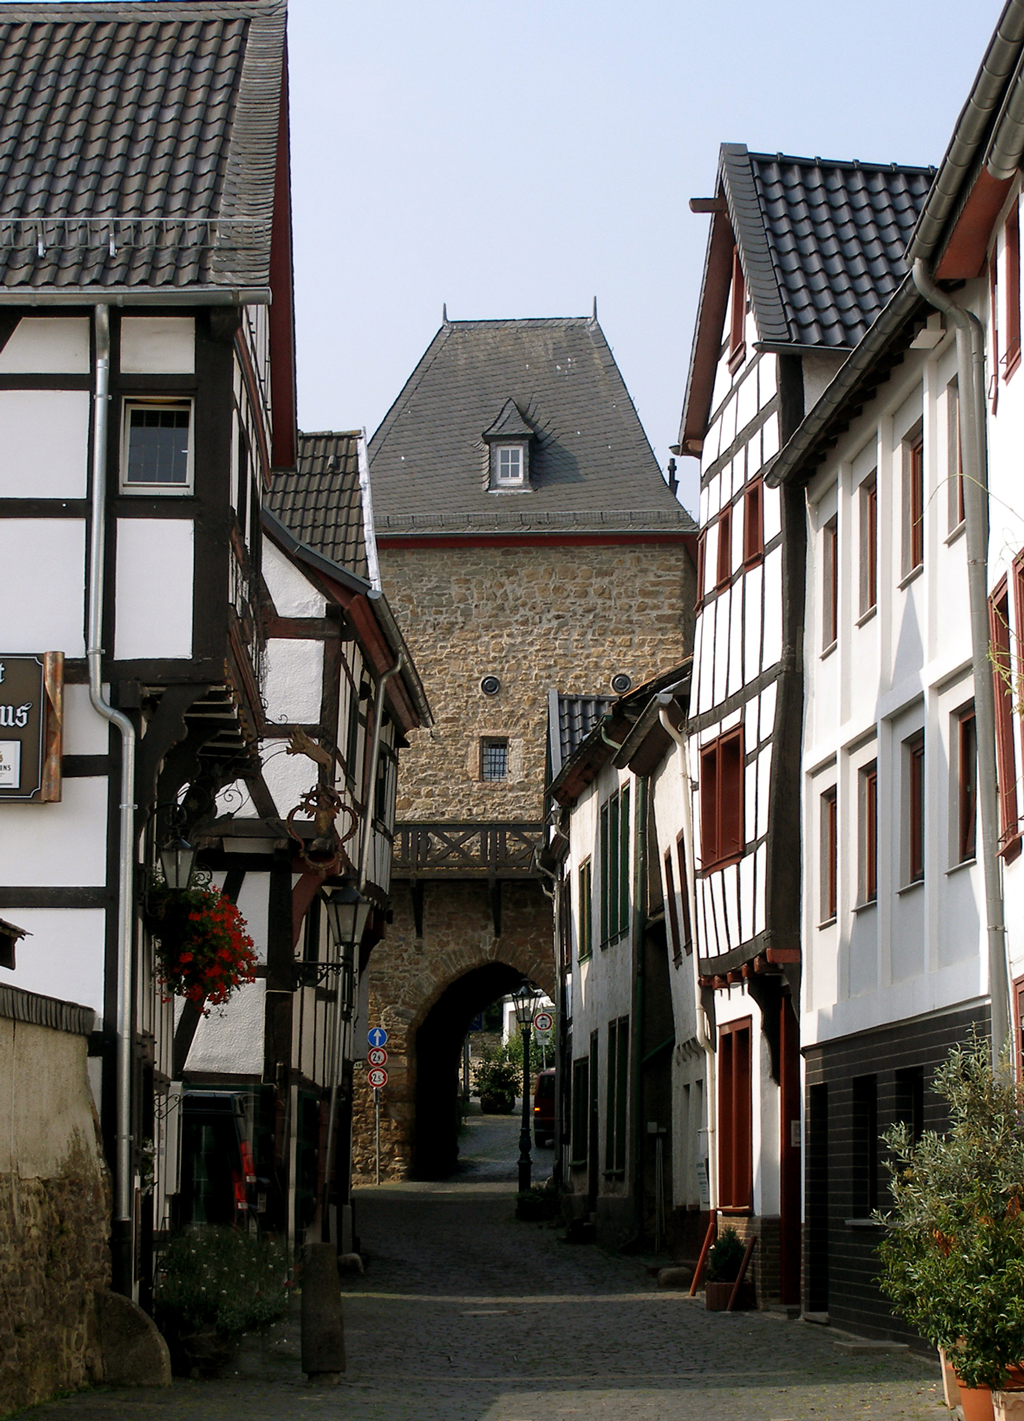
{"x":580,"y":1109}
{"x":605,"y":874}
{"x":610,"y":1110}
{"x":623,"y":917}
{"x":621,"y":1082}
{"x":613,"y":865}
{"x":585,"y":936}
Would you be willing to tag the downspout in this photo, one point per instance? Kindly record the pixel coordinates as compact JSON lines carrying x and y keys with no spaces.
{"x":122,"y":1250}
{"x":970,"y":351}
{"x":364,"y":851}
{"x":703,"y":1040}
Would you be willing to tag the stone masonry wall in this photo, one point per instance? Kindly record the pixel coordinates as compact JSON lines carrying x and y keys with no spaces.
{"x":407,"y":976}
{"x":54,"y":1208}
{"x":537,"y":618}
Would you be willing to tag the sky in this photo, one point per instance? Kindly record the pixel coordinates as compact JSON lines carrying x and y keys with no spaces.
{"x":519,"y":159}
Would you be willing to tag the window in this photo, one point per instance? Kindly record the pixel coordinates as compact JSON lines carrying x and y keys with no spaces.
{"x":735,"y":1164}
{"x":737,"y":315}
{"x":869,"y":833}
{"x":724,"y":547}
{"x":869,"y":544}
{"x":914,"y":765}
{"x":909,"y":1100}
{"x":865,"y":1146}
{"x":585,"y":916}
{"x":1012,"y":249}
{"x":684,"y":896}
{"x":913,"y":502}
{"x":702,"y":543}
{"x":1018,"y":1000}
{"x":385,"y":786}
{"x":357,"y":693}
{"x":1006,"y":760}
{"x":830,"y":584}
{"x":954,"y":457}
{"x":508,"y":465}
{"x":829,"y":855}
{"x":614,"y":843}
{"x":157,"y":448}
{"x":967,"y":785}
{"x":580,"y":1111}
{"x":670,"y":905}
{"x":753,"y":523}
{"x":494,"y":759}
{"x":721,"y":800}
{"x":615,"y":1102}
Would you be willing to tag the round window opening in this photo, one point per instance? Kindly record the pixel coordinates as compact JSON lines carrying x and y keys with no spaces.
{"x":621,"y":683}
{"x":490,"y":685}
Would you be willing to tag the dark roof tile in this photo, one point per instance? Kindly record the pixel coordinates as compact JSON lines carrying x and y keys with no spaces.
{"x":321,"y":502}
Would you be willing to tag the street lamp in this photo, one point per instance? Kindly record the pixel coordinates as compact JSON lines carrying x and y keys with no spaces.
{"x":525,"y":1003}
{"x":347,"y":912}
{"x":176,"y":860}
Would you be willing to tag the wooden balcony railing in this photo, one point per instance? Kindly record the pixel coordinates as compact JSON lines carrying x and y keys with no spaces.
{"x":466,"y":850}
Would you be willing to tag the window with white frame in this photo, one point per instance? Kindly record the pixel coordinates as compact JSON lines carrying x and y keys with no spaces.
{"x":157,"y":447}
{"x":508,"y":466}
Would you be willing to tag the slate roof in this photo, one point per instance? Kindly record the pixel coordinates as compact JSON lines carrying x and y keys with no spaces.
{"x":320,"y":503}
{"x":591,"y":465}
{"x":138,"y":142}
{"x":822,"y":242}
{"x":577,"y":716}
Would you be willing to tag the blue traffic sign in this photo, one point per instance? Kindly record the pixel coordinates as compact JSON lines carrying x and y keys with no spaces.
{"x":377,"y":1036}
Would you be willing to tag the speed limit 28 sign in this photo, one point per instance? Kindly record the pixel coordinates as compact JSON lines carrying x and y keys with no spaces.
{"x":377,"y":1076}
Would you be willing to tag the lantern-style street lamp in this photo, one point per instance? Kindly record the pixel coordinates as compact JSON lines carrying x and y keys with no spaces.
{"x":525,"y":1003}
{"x":176,"y":860}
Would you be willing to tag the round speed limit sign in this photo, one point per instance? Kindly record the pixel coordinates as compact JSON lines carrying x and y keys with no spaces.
{"x":377,"y":1077}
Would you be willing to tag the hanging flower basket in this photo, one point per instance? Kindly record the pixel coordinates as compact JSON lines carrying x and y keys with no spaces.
{"x":203,"y":951}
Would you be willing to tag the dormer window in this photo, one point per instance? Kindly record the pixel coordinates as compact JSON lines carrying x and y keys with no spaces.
{"x":508,"y":442}
{"x":510,"y":465}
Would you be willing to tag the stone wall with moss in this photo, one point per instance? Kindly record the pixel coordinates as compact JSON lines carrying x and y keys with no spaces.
{"x":54,"y":1208}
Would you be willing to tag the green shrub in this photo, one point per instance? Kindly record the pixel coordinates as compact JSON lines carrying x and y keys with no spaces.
{"x":496,"y":1075}
{"x":222,"y":1278}
{"x":953,"y":1258}
{"x":538,"y":1205}
{"x":725,"y":1257}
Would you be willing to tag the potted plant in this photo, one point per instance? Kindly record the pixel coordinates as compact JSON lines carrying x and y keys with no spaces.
{"x":497,"y":1080}
{"x":203,"y":950}
{"x":723,"y":1266}
{"x":953,"y":1256}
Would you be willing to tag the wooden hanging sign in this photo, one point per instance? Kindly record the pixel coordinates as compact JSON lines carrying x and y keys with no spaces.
{"x":31,"y":726}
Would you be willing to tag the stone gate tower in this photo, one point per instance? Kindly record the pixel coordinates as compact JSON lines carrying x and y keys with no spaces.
{"x":527,"y":542}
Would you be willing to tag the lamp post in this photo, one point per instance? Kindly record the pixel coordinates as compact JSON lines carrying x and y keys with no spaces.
{"x":525,"y":1003}
{"x":347,"y":914}
{"x":176,"y":860}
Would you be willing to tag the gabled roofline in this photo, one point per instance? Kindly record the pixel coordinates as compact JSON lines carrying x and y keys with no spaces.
{"x":980,"y":162}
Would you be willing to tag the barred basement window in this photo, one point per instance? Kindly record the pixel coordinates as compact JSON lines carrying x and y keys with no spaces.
{"x":157,"y":447}
{"x":494,"y":760}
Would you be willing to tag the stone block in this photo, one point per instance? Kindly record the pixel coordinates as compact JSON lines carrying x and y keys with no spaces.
{"x":134,"y":1352}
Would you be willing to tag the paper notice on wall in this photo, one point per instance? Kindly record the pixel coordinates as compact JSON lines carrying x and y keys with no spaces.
{"x":10,"y":764}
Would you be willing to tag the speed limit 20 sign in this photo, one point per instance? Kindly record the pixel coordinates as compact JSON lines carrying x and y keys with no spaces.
{"x":377,"y":1077}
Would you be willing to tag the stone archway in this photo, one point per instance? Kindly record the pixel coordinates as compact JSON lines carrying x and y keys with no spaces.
{"x":410,"y":975}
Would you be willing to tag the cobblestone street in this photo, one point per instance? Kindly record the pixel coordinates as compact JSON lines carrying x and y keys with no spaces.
{"x":466,"y":1314}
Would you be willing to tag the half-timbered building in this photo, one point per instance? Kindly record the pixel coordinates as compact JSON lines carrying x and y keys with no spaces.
{"x":147,"y":395}
{"x":802,"y":256}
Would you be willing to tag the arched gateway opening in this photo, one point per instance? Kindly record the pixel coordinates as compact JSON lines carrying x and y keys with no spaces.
{"x":438,"y":1057}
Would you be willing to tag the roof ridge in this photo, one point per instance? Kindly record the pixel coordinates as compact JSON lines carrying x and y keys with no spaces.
{"x":844,"y":163}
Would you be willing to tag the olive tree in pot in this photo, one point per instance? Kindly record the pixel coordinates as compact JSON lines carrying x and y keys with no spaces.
{"x":953,"y":1256}
{"x":724,"y":1259}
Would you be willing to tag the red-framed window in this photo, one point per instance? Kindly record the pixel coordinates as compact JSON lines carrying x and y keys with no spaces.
{"x":829,"y":855}
{"x":737,"y":315}
{"x":1006,"y":759}
{"x":830,"y":583}
{"x":913,"y":502}
{"x":724,"y":559}
{"x":915,"y":807}
{"x":702,"y":546}
{"x":753,"y":523}
{"x":954,"y":456}
{"x":721,"y":800}
{"x":1012,"y":290}
{"x":967,"y":785}
{"x":869,"y":833}
{"x":868,"y":544}
{"x":685,"y":923}
{"x":735,"y":1158}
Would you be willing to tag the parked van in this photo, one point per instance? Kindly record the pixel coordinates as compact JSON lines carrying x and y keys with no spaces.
{"x":544,"y":1109}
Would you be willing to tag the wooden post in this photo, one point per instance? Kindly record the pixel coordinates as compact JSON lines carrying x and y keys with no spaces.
{"x":709,"y":1238}
{"x":730,"y":1307}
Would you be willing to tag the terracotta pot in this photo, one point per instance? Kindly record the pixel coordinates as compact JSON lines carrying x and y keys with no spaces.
{"x":1014,"y":1379}
{"x":977,"y":1403}
{"x":717,"y":1295}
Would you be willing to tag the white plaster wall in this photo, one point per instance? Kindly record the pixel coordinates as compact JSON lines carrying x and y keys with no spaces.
{"x":230,"y":1040}
{"x":48,"y":845}
{"x":85,"y":732}
{"x":64,"y":956}
{"x":254,"y":906}
{"x":292,"y":593}
{"x":294,"y":680}
{"x":287,"y":777}
{"x":47,"y":345}
{"x":158,"y":345}
{"x":155,"y":571}
{"x":44,"y":451}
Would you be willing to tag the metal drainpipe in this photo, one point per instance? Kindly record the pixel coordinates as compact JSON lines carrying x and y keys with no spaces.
{"x":364,"y":850}
{"x":970,"y":351}
{"x":703,"y":1040}
{"x":122,"y":1253}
